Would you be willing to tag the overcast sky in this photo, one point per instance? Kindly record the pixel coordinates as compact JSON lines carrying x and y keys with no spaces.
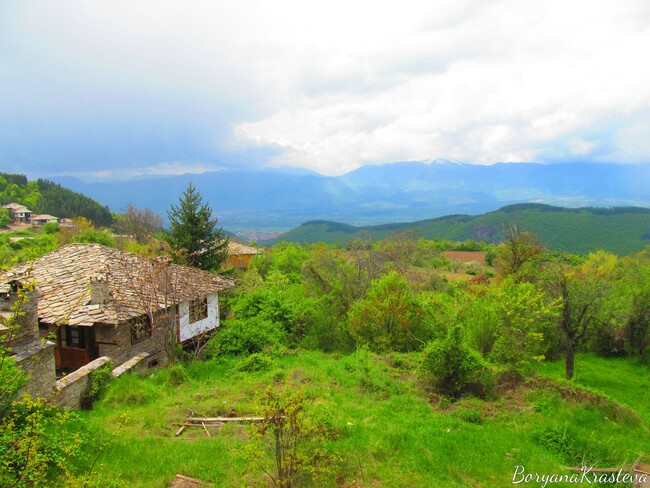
{"x":125,"y":88}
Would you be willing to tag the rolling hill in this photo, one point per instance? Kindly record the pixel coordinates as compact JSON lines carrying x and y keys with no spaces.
{"x":621,"y":230}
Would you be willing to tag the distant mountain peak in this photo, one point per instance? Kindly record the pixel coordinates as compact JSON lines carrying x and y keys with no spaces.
{"x":445,"y":161}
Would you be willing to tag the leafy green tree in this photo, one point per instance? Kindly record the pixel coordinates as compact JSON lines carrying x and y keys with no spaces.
{"x":524,"y":316}
{"x":279,"y":301}
{"x":193,"y":236}
{"x":4,"y":218}
{"x":580,"y":294}
{"x":519,"y":247}
{"x":389,"y":317}
{"x":403,"y":249}
{"x":631,"y":299}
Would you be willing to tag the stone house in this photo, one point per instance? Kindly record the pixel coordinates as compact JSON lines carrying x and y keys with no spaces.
{"x":239,"y":255}
{"x":18,"y":212}
{"x":93,"y":301}
{"x":42,"y":219}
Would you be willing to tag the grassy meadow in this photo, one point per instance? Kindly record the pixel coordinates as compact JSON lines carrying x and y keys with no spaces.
{"x":386,"y":429}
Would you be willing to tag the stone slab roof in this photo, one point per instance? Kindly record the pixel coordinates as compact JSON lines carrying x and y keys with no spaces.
{"x":17,"y":207}
{"x":83,"y":284}
{"x":44,"y":217}
{"x":236,"y":249}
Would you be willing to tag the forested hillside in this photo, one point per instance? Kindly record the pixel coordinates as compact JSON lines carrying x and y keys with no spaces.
{"x":45,"y":197}
{"x":581,"y":230}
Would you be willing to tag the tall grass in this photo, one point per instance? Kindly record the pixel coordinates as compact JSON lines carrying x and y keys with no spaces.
{"x":387,"y":430}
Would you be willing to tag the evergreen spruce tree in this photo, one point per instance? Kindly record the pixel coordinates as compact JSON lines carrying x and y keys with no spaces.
{"x":193,"y":236}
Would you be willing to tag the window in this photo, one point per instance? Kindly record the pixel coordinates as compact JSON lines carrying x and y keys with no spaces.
{"x":198,"y":310}
{"x":140,"y":328}
{"x":74,"y":337}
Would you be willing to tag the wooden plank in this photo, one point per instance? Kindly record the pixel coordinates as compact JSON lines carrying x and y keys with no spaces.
{"x":180,"y":431}
{"x":206,"y":430}
{"x":225,"y":419}
{"x":199,"y":424}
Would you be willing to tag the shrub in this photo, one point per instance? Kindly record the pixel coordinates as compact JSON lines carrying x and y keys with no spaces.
{"x":177,"y":375}
{"x":245,"y":336}
{"x":389,"y":317}
{"x":454,"y":369}
{"x":51,"y":228}
{"x":37,"y":447}
{"x":99,"y":380}
{"x":289,"y":443}
{"x":254,"y":362}
{"x":470,"y":416}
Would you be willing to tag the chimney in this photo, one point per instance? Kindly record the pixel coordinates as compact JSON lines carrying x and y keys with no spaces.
{"x":99,"y":293}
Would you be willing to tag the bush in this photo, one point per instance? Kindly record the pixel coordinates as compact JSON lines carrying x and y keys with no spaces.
{"x":454,"y":369}
{"x":254,"y":362}
{"x":99,"y":380}
{"x":245,"y":336}
{"x":389,"y":318}
{"x":177,"y":375}
{"x":51,"y":228}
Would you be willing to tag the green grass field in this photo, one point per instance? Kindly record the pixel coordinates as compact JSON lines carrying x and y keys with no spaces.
{"x":387,"y":430}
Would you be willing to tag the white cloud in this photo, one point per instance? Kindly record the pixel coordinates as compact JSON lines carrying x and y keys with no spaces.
{"x":333,"y":85}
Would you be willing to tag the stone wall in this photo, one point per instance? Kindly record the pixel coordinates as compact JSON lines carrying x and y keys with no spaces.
{"x":137,"y":363}
{"x":71,"y":389}
{"x":116,"y":343}
{"x":26,"y":323}
{"x":37,"y":361}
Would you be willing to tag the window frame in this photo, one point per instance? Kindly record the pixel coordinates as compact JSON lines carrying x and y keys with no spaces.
{"x":140,"y":328}
{"x":198,"y":310}
{"x":77,"y":342}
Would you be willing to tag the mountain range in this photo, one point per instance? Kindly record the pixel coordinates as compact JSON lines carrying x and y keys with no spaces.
{"x":282,"y":198}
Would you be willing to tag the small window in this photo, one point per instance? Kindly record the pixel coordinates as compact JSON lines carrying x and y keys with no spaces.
{"x":140,"y":328}
{"x":74,"y":337}
{"x":198,"y":310}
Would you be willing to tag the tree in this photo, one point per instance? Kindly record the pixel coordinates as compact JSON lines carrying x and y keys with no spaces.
{"x":519,"y":247}
{"x":580,"y":294}
{"x":140,"y":223}
{"x":193,"y":235}
{"x":4,"y":218}
{"x":389,"y":317}
{"x":401,"y":248}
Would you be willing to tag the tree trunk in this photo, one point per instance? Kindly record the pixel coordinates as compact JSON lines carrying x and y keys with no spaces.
{"x":569,"y":357}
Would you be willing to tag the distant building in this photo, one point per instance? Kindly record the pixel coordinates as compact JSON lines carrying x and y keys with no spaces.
{"x":239,"y":255}
{"x":38,"y":219}
{"x":18,"y":212}
{"x":66,"y":223}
